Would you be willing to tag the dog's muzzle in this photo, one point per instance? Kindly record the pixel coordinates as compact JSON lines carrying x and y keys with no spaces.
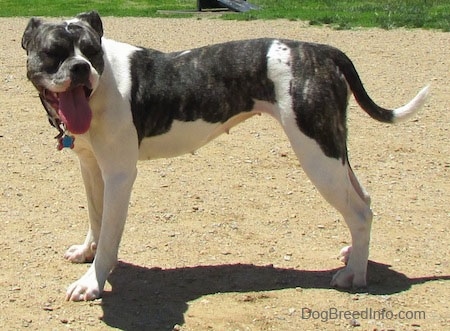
{"x":68,"y":110}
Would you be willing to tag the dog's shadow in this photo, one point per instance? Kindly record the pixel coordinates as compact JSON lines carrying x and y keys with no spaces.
{"x":156,"y":299}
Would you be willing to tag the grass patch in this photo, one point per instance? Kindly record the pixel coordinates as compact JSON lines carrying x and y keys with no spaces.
{"x":343,"y":14}
{"x":387,"y":14}
{"x":68,"y":8}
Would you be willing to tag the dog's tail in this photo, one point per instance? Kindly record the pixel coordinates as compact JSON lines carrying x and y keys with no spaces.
{"x":369,"y":106}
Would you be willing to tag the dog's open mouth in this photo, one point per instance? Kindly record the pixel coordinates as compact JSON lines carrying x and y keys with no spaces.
{"x":71,"y":107}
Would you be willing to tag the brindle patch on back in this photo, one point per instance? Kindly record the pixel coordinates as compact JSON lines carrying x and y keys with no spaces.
{"x":212,"y":83}
{"x":320,"y":97}
{"x":217,"y":82}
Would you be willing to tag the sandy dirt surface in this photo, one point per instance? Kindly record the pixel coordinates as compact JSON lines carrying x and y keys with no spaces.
{"x":235,"y":237}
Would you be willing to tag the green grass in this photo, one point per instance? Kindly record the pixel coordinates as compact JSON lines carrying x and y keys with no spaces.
{"x":55,"y":8}
{"x":341,"y":14}
{"x":387,"y":14}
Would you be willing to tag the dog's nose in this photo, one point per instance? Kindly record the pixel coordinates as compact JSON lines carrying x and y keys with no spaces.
{"x":80,"y":69}
{"x":79,"y":73}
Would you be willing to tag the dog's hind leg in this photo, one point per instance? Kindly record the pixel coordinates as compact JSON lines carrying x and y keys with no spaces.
{"x":345,"y":252}
{"x":313,"y":96}
{"x":337,"y":183}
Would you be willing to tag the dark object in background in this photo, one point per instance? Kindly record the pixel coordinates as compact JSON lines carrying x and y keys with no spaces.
{"x":234,"y":5}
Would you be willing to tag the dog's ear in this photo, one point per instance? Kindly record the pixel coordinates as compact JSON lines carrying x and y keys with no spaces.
{"x":28,"y":34}
{"x":93,"y":19}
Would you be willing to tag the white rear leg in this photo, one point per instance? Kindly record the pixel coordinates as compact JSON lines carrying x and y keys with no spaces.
{"x":337,"y":183}
{"x":333,"y":177}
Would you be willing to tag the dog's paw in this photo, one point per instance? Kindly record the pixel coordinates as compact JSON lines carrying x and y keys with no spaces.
{"x":81,"y":253}
{"x":344,"y":254}
{"x":346,"y":278}
{"x":84,"y":289}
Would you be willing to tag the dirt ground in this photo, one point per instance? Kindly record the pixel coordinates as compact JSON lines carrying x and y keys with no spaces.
{"x":235,"y":237}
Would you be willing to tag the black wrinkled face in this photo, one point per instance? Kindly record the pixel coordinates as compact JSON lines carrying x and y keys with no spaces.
{"x":64,"y":63}
{"x":62,"y":56}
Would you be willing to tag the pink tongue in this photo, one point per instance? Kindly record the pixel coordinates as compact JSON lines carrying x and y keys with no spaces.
{"x":74,"y":110}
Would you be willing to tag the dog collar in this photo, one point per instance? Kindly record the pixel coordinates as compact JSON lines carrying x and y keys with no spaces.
{"x":64,"y":139}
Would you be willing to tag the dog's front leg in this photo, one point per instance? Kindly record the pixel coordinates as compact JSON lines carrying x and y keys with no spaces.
{"x":117,"y":159}
{"x":116,"y":198}
{"x":94,"y":186}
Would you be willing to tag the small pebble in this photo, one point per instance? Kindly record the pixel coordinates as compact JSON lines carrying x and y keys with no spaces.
{"x":354,"y":322}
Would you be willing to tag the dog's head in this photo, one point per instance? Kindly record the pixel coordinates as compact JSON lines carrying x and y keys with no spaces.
{"x":64,"y":62}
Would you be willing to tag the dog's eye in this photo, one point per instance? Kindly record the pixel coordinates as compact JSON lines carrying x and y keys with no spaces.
{"x":89,"y":50}
{"x":56,"y":53}
{"x":52,"y":58}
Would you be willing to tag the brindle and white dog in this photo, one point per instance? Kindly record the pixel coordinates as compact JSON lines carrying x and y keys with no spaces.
{"x":121,"y":103}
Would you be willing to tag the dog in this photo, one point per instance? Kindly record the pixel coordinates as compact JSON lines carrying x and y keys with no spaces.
{"x":115,"y":103}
